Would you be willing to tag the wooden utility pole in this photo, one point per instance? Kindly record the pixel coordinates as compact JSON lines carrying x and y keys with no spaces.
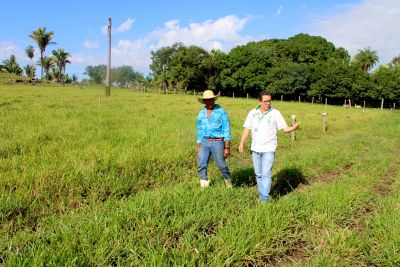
{"x":108,"y":78}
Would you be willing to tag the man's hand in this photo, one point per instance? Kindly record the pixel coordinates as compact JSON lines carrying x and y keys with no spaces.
{"x":227,"y":153}
{"x":241,"y":149}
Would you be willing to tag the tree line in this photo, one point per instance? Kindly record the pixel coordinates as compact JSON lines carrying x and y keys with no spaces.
{"x":301,"y":66}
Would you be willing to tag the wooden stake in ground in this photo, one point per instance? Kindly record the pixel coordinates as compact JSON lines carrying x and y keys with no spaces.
{"x":324,"y":122}
{"x":382,"y":103}
{"x":281,"y":98}
{"x":293,"y":133}
{"x":108,"y":78}
{"x":312,"y":101}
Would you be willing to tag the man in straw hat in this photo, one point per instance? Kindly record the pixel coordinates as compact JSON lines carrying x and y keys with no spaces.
{"x":213,"y":138}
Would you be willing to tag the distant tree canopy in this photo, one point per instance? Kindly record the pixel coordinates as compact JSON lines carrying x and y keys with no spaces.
{"x":302,"y":65}
{"x":123,"y":76}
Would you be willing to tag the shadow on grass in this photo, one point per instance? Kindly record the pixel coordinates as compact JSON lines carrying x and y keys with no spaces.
{"x":244,"y":177}
{"x":287,"y":180}
{"x":284,"y":182}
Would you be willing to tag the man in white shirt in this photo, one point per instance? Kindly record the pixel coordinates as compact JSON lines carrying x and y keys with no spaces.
{"x":264,"y":122}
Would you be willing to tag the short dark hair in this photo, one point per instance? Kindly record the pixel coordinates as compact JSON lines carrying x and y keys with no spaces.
{"x":263,"y":93}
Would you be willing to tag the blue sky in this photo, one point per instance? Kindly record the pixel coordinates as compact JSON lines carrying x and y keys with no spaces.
{"x":143,"y":26}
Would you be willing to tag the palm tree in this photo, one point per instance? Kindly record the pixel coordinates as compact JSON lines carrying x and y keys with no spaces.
{"x":30,"y":71}
{"x":396,"y":61}
{"x":61,"y":60}
{"x":30,"y":52}
{"x":365,"y":59}
{"x":11,"y":65}
{"x":46,"y":63}
{"x":43,"y":39}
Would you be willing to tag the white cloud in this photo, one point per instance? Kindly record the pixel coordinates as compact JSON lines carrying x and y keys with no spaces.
{"x":278,"y":11}
{"x":7,"y":49}
{"x":223,"y":30}
{"x":85,"y":59}
{"x":222,"y":34}
{"x":126,"y":25}
{"x":91,"y":44}
{"x":372,"y":23}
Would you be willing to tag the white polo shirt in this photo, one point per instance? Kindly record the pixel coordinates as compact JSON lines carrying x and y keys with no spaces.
{"x":264,"y":129}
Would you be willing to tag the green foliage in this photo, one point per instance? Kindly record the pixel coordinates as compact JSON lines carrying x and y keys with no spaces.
{"x":60,"y":59}
{"x":97,"y":74}
{"x":123,"y":76}
{"x":47,"y":63}
{"x":30,"y":71}
{"x":42,"y":39}
{"x":11,"y":65}
{"x":245,"y":68}
{"x":30,"y":52}
{"x":290,"y":79}
{"x":303,"y":48}
{"x":365,"y":59}
{"x":387,"y":83}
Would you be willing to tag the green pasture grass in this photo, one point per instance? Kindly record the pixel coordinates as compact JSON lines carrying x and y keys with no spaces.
{"x":89,"y":180}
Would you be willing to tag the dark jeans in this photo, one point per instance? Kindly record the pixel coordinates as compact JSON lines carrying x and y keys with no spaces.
{"x":216,"y":149}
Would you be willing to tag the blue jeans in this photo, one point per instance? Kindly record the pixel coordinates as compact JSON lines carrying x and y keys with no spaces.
{"x":263,"y":162}
{"x":216,"y":149}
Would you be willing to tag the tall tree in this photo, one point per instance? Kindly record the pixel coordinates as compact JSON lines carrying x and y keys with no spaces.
{"x":30,"y":71}
{"x":43,"y":39}
{"x":161,"y":63}
{"x":97,"y":74}
{"x":46,"y":63}
{"x":187,"y":68}
{"x":365,"y":59}
{"x":30,"y":52}
{"x":60,"y":58}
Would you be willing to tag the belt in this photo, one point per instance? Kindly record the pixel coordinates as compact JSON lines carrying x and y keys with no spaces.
{"x":215,"y":139}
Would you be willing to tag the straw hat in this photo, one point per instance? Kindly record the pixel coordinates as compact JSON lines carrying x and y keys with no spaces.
{"x":207,"y":94}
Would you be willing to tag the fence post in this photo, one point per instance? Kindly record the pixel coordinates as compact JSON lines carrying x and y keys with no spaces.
{"x":247,"y":95}
{"x":293,"y":133}
{"x":312,"y":101}
{"x":299,"y":99}
{"x":382,"y":104}
{"x":394,"y":105}
{"x":281,"y":98}
{"x":324,"y":122}
{"x":349,"y":103}
{"x":326,"y":101}
{"x":233,"y":95}
{"x":364,"y":103}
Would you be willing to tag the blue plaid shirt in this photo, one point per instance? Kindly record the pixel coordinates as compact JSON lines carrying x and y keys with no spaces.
{"x":216,"y":126}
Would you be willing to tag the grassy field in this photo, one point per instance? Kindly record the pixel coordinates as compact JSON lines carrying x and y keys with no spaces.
{"x":89,"y":180}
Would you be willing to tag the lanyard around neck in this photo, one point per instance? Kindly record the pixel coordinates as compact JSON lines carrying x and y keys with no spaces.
{"x":262,"y":117}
